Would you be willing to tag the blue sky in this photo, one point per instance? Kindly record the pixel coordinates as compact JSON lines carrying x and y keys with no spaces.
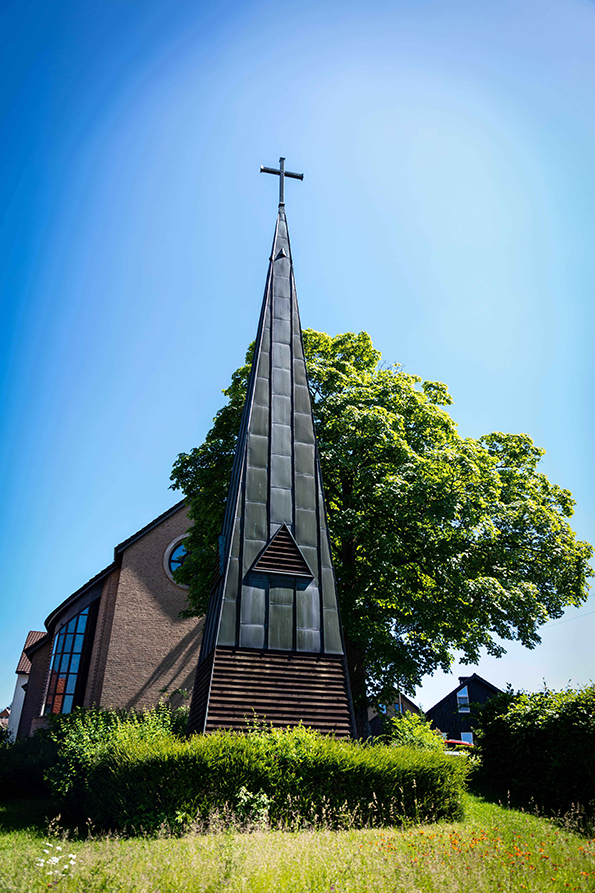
{"x":447,"y":209}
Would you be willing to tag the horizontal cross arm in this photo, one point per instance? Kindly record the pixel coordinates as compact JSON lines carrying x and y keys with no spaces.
{"x":271,"y":170}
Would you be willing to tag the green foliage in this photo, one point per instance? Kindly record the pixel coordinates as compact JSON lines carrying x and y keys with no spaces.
{"x":31,"y":767}
{"x":439,"y":542}
{"x":206,"y":470}
{"x":83,"y":737}
{"x":411,"y":730}
{"x":5,"y":738}
{"x":23,"y":765}
{"x":133,"y":773}
{"x":540,"y":746}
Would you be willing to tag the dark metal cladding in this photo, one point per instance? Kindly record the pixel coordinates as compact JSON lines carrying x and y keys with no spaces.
{"x":275,"y":586}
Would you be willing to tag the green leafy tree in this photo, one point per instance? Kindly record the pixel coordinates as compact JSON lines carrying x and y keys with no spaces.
{"x":439,"y":542}
{"x":411,"y":730}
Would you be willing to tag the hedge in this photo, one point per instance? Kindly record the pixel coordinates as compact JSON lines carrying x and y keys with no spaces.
{"x":135,"y":774}
{"x":24,"y":764}
{"x":540,"y":747}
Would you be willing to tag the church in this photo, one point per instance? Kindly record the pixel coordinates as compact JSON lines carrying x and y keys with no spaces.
{"x":271,"y":645}
{"x":118,"y":641}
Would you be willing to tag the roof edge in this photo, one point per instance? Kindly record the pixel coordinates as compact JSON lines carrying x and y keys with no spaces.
{"x":32,"y":648}
{"x":71,"y":598}
{"x":34,"y":636}
{"x":118,"y":551}
{"x":147,"y":528}
{"x":459,"y":687}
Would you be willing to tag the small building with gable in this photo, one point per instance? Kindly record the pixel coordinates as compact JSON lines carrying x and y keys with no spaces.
{"x":453,"y":715}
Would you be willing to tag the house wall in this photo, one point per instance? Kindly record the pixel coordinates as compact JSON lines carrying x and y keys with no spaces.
{"x":31,"y":717}
{"x":18,"y":699}
{"x":446,"y":716}
{"x":150,"y":649}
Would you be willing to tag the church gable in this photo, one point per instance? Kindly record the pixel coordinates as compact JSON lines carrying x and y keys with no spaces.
{"x":151,"y":650}
{"x":134,"y":649}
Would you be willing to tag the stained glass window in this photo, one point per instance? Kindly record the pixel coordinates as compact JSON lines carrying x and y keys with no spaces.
{"x":69,"y":651}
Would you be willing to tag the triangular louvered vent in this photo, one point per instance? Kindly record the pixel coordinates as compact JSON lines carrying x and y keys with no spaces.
{"x":282,"y":556}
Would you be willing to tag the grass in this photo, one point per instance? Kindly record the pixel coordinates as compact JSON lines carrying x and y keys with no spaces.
{"x":494,"y":849}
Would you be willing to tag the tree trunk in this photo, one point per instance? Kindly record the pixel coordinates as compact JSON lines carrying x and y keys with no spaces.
{"x":357,"y":680}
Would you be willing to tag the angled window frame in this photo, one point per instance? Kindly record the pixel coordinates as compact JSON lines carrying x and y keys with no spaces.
{"x":463,"y":700}
{"x":69,"y":664}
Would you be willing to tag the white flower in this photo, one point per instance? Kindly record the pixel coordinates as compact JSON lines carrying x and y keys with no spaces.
{"x":59,"y":848}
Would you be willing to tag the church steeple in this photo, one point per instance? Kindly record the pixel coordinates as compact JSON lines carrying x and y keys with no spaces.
{"x":275,"y":593}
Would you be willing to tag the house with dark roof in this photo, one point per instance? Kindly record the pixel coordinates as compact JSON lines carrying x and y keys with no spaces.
{"x":453,"y":715}
{"x":119,"y":640}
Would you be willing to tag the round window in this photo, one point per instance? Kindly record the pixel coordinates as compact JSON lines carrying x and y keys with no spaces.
{"x":174,"y":557}
{"x":177,"y":557}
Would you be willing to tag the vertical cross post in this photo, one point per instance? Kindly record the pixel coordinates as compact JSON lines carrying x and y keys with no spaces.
{"x":281,"y":173}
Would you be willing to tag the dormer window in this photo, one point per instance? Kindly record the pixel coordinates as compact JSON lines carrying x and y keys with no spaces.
{"x":463,"y":700}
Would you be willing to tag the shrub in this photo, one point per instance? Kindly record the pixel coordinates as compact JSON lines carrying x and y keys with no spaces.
{"x":28,"y":764}
{"x":540,"y":747}
{"x":84,"y":736}
{"x":5,"y":737}
{"x":135,"y":774}
{"x":23,"y":766}
{"x":411,"y":730}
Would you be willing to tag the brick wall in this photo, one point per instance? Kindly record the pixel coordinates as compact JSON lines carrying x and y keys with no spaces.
{"x":33,"y":705}
{"x":150,"y":648}
{"x":103,"y":630}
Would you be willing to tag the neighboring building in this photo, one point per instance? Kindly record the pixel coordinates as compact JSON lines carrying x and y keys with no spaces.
{"x":119,"y":640}
{"x":453,"y":715}
{"x":402,"y":705}
{"x":23,"y":669}
{"x":4,"y":718}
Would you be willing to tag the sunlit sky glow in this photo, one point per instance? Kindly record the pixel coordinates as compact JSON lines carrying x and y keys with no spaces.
{"x":447,"y":209}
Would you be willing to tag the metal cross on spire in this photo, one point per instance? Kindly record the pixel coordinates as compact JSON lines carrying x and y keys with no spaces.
{"x":281,"y":173}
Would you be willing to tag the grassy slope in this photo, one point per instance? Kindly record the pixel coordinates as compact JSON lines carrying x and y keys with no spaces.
{"x":493,"y":849}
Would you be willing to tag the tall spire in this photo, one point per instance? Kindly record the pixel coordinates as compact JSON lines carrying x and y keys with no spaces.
{"x":275,"y":591}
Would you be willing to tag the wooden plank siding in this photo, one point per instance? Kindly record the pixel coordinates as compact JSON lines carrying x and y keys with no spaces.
{"x":280,"y":688}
